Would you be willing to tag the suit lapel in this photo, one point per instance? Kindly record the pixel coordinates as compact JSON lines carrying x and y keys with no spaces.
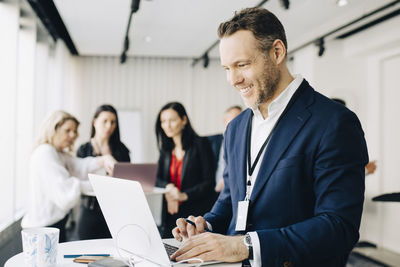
{"x":188,"y":154}
{"x":167,"y":165}
{"x":284,"y":134}
{"x":240,"y":151}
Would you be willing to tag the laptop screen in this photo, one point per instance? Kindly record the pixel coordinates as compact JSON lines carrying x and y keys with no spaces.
{"x":128,"y":217}
{"x":144,"y":173}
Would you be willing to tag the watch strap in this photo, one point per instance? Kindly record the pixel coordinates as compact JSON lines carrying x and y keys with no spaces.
{"x":251,"y":256}
{"x":249,"y":245}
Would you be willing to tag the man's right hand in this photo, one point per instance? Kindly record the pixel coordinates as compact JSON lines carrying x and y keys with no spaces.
{"x":184,"y":230}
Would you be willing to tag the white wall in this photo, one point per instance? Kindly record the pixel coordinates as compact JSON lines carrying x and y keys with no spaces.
{"x":146,"y":84}
{"x":355,"y":70}
{"x":9,"y":23}
{"x":24,"y":107}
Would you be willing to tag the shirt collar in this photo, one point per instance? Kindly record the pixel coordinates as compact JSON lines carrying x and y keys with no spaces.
{"x":279,"y":103}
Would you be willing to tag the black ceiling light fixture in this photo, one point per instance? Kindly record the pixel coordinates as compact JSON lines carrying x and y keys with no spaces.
{"x":285,"y":3}
{"x":134,"y":8}
{"x":206,"y":60}
{"x":321,"y":46}
{"x":386,"y":12}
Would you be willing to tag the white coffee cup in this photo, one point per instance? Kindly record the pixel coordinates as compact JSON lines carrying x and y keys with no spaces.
{"x":40,"y":246}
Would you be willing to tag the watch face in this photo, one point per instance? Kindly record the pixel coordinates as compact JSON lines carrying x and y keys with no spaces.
{"x":247,"y":240}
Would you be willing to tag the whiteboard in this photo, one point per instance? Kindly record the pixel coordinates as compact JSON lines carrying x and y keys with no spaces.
{"x":130,"y":127}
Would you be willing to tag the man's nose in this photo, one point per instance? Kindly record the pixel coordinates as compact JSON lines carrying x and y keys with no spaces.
{"x":235,"y":77}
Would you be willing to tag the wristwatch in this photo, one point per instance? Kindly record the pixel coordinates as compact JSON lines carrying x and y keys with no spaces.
{"x":248,"y":244}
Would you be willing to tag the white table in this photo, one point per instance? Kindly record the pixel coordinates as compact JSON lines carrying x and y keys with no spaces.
{"x":93,"y":246}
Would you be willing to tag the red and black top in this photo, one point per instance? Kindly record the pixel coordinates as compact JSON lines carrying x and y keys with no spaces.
{"x":175,"y":171}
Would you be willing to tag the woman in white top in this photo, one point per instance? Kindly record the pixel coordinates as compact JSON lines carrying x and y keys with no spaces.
{"x":56,"y":178}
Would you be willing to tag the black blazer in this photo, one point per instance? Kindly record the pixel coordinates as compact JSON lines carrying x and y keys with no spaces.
{"x":197,"y":181}
{"x":216,"y":142}
{"x":120,"y":153}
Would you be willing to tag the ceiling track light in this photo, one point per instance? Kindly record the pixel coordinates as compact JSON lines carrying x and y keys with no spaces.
{"x":134,"y":8}
{"x":285,"y":3}
{"x":321,"y":46}
{"x":206,"y":60}
{"x":378,"y":20}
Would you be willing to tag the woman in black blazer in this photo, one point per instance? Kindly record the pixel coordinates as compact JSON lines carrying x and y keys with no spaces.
{"x":185,"y":167}
{"x":105,"y":140}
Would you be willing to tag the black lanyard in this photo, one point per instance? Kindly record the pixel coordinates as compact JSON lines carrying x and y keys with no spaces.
{"x":248,"y":144}
{"x":248,"y":139}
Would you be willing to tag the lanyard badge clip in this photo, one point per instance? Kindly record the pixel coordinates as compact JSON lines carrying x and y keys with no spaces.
{"x":242,"y":210}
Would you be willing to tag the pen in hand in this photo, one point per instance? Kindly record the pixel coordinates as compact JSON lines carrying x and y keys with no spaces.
{"x":192,"y":223}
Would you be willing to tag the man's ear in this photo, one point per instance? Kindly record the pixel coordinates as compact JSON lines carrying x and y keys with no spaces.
{"x":278,"y":52}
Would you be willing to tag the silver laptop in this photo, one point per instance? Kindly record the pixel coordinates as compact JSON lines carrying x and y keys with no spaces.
{"x":129,"y":220}
{"x":145,"y":173}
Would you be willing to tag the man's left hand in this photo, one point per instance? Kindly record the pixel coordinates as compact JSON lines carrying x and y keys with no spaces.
{"x":210,"y":246}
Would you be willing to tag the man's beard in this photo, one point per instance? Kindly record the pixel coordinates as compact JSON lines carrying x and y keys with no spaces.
{"x":268,"y":86}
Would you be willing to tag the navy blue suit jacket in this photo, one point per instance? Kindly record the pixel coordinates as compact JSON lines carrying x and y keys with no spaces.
{"x":307,"y":201}
{"x":216,"y":142}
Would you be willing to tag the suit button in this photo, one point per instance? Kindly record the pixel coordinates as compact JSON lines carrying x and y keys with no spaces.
{"x":287,"y":264}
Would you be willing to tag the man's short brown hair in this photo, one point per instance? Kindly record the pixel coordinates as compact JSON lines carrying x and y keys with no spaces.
{"x":264,"y":25}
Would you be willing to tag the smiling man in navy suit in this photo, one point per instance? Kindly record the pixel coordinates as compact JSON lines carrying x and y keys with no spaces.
{"x":294,"y":176}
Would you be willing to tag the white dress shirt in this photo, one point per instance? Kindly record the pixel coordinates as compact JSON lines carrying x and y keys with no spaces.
{"x":219,"y":174}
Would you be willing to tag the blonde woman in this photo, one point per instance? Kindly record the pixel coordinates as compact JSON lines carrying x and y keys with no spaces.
{"x":56,"y":179}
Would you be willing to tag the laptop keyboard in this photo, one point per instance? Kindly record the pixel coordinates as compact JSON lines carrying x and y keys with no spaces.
{"x":170,"y":249}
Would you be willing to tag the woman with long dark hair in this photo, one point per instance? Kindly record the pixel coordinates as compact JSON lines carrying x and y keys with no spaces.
{"x":185,"y":167}
{"x":105,"y":140}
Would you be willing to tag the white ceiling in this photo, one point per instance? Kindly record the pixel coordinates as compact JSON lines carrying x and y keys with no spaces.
{"x":186,"y":28}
